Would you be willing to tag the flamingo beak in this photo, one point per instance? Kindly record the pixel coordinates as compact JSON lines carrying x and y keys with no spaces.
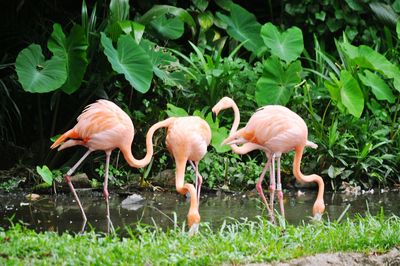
{"x":214,"y":116}
{"x":234,"y":141}
{"x":317,"y":217}
{"x":194,"y":229}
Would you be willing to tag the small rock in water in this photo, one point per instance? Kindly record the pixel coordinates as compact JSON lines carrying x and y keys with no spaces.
{"x":351,"y":189}
{"x":32,"y":197}
{"x":132,"y":202}
{"x":300,"y":193}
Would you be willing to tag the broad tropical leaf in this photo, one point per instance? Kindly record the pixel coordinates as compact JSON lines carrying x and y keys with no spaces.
{"x":277,"y":83}
{"x":398,"y":29}
{"x":351,"y":94}
{"x":287,"y":45}
{"x":129,"y":59}
{"x":218,"y":134}
{"x":38,"y":75}
{"x":119,"y":10}
{"x":45,"y":173}
{"x":243,"y":27}
{"x":366,"y":57}
{"x":73,"y":50}
{"x":57,"y":42}
{"x":174,"y":111}
{"x":206,"y":20}
{"x":160,"y":10}
{"x":378,"y":86}
{"x":164,"y":64}
{"x":171,"y":28}
{"x":126,"y":27}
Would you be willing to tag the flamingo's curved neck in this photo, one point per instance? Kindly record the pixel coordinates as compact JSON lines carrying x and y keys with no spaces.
{"x":236,"y":119}
{"x":235,"y":125}
{"x":307,"y":178}
{"x":126,"y":151}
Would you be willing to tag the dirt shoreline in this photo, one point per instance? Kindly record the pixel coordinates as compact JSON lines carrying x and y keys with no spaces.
{"x":391,"y":258}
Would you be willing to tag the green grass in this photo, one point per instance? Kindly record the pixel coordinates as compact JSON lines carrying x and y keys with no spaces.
{"x":236,"y":242}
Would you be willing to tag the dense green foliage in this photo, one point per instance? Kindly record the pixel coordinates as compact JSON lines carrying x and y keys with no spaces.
{"x":340,"y":72}
{"x":234,"y":243}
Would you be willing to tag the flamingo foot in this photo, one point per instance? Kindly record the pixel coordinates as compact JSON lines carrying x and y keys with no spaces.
{"x":194,"y":229}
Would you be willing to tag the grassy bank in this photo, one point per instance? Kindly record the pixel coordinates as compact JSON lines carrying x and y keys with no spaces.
{"x":236,"y":242}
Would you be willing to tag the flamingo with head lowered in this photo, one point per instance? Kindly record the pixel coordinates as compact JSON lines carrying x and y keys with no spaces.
{"x":105,"y":126}
{"x":187,"y":140}
{"x":273,"y":129}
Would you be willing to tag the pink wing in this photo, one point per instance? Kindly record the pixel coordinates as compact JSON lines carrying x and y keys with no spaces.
{"x":101,"y":126}
{"x":277,"y":128}
{"x":188,"y":137}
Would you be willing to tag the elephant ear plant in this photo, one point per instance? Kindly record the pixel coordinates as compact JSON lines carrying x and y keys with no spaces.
{"x":64,"y":70}
{"x":74,"y":57}
{"x":365,"y":74}
{"x":281,"y":50}
{"x":282,"y":68}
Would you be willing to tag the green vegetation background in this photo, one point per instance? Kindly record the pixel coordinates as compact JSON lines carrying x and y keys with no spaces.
{"x":333,"y":62}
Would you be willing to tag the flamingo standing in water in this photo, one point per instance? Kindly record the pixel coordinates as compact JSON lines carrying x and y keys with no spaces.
{"x":187,"y":140}
{"x":274,"y":129}
{"x":104,"y":126}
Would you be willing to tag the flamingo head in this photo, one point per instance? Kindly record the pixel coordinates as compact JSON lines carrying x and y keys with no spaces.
{"x":224,"y":103}
{"x":234,"y":140}
{"x":193,"y":218}
{"x":318,"y":209}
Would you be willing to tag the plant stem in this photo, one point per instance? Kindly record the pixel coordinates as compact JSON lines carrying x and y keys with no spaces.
{"x":41,"y":148}
{"x":55,"y":115}
{"x":393,"y":135}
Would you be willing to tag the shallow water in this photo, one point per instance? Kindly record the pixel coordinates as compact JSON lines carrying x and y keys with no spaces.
{"x":60,"y":213}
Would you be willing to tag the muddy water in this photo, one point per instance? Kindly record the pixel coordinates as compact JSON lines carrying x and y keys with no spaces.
{"x":60,"y":213}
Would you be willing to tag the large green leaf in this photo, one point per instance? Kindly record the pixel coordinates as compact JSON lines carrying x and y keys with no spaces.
{"x":277,"y":83}
{"x":398,"y":29}
{"x":119,"y":10}
{"x":160,"y":10}
{"x":126,"y":27}
{"x":287,"y":45}
{"x":169,"y":28}
{"x":57,"y":42}
{"x":45,"y":173}
{"x":365,"y":57}
{"x":218,"y":134}
{"x":73,"y":50}
{"x":206,"y":20}
{"x":37,"y":75}
{"x":129,"y":59}
{"x":129,"y":27}
{"x":174,"y":111}
{"x":351,"y":94}
{"x":378,"y":86}
{"x":243,"y":27}
{"x":164,"y":64}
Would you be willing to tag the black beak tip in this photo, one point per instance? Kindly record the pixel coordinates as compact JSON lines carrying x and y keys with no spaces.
{"x":214,"y":117}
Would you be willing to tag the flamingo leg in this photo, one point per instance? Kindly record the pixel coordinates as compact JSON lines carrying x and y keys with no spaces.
{"x":71,"y":186}
{"x":105,"y":192}
{"x":279,"y":186}
{"x":199,"y":178}
{"x":260,"y":189}
{"x":183,"y":188}
{"x":272,"y":185}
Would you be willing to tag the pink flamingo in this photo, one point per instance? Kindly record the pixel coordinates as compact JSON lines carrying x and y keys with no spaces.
{"x":274,"y":129}
{"x":104,"y":126}
{"x":187,"y":140}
